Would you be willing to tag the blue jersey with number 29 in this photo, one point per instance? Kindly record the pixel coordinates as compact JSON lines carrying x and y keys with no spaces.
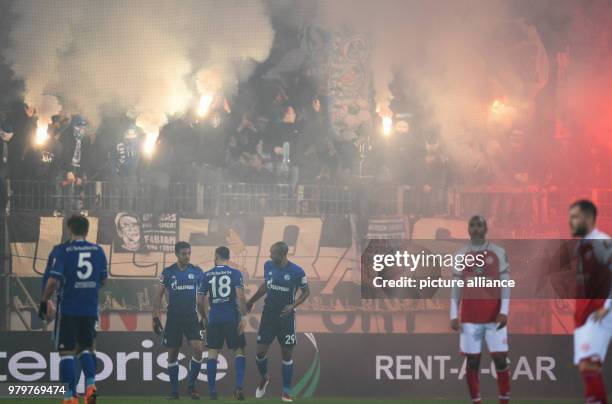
{"x":80,"y":266}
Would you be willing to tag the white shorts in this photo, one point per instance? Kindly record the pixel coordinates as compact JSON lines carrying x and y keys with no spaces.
{"x":472,"y":334}
{"x":591,"y":339}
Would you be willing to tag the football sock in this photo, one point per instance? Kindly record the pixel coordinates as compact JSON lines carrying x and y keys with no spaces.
{"x":473,"y":383}
{"x":287,"y":374}
{"x":594,"y":388}
{"x":67,"y":376}
{"x":194,"y":371}
{"x":78,"y":368}
{"x":240,"y":363}
{"x":211,"y":374}
{"x":89,"y":368}
{"x":173,"y":371}
{"x":503,"y":385}
{"x":262,"y":365}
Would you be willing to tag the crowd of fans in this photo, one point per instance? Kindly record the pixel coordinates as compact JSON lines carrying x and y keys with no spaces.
{"x":267,"y":133}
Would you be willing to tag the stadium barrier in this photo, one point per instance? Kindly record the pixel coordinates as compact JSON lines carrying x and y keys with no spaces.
{"x":505,"y":206}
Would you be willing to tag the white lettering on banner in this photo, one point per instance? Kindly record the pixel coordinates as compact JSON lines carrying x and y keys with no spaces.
{"x":16,"y":365}
{"x":107,"y":366}
{"x":545,"y":364}
{"x":122,"y":360}
{"x":384,"y":363}
{"x":430,"y":367}
{"x":32,"y":360}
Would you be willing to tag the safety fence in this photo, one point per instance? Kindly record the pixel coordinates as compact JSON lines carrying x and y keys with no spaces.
{"x":504,"y":205}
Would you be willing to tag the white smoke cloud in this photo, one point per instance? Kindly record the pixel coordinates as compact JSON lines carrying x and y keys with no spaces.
{"x":458,"y":55}
{"x":140,"y":56}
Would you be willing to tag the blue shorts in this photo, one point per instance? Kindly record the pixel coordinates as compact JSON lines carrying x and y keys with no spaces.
{"x":179,"y":325}
{"x":273,"y":326}
{"x":219,"y":333}
{"x":72,"y":330}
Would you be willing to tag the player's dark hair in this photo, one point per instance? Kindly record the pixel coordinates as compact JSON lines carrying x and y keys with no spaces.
{"x":222,"y":252}
{"x":281,"y":246}
{"x":480,"y":219}
{"x":585,"y":206}
{"x":78,"y":225}
{"x":180,"y":245}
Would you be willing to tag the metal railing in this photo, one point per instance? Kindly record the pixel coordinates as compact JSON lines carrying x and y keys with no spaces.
{"x":184,"y":198}
{"x":506,"y":205}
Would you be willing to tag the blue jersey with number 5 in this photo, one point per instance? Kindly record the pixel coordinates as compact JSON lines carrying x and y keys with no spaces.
{"x":220,"y":285}
{"x":80,"y":266}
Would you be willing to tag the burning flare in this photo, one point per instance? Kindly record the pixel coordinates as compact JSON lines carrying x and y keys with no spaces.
{"x":386,"y":115}
{"x":204,"y":104}
{"x":149,"y":144}
{"x":41,"y":134}
{"x":387,"y":125}
{"x":502,"y":112}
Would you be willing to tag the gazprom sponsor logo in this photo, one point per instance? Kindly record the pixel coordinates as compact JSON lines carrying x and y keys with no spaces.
{"x":185,"y":287}
{"x":278,"y":288}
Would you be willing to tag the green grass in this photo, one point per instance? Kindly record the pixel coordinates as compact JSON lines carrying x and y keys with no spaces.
{"x":160,"y":400}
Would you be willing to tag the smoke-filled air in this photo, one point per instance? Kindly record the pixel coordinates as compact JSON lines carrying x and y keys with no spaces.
{"x":144,"y":57}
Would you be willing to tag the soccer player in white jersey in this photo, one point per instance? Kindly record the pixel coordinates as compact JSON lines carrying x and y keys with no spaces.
{"x":484,"y":311}
{"x":592,"y":317}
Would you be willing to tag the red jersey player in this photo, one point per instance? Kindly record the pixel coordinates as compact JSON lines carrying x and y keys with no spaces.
{"x":484,"y":311}
{"x":593,"y":321}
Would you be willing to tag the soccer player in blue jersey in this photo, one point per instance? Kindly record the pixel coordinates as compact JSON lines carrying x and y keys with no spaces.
{"x":77,"y":270}
{"x":182,"y":282}
{"x":225,"y":291}
{"x":282,"y":280}
{"x":52,"y":312}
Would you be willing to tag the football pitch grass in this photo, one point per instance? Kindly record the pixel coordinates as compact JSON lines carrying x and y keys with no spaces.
{"x":314,"y":400}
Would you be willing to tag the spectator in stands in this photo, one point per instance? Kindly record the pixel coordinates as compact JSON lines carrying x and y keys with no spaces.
{"x":6,"y":134}
{"x":283,"y":142}
{"x":157,"y":171}
{"x":212,"y":143}
{"x":436,"y":179}
{"x":317,"y":157}
{"x":24,"y":125}
{"x":125,"y":173}
{"x":76,"y":148}
{"x":46,"y":157}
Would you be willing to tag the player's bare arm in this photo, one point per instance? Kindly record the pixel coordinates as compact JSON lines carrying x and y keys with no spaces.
{"x":454,"y":306}
{"x":202,"y":305}
{"x":45,"y":311}
{"x":242,"y":309}
{"x":605,"y":257}
{"x":304,"y":293}
{"x":157,"y":302}
{"x":502,"y":317}
{"x":258,"y":295}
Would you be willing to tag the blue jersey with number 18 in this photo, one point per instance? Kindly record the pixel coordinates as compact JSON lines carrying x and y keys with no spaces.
{"x":220,"y":284}
{"x":80,"y":266}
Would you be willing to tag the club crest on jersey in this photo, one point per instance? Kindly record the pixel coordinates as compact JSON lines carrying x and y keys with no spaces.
{"x":287,"y":277}
{"x":190,"y":276}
